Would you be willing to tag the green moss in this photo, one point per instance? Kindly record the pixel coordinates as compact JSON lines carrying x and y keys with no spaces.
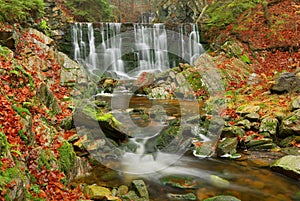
{"x":9,"y":175}
{"x":21,"y":111}
{"x":66,"y":157}
{"x":4,"y":52}
{"x":21,"y":10}
{"x":109,"y":118}
{"x":46,"y":159}
{"x":4,"y":145}
{"x":245,"y":59}
{"x":223,"y":13}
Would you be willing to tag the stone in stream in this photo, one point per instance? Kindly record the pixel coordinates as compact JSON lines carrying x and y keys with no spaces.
{"x":182,"y":181}
{"x":227,"y":146}
{"x":188,"y":196}
{"x":96,"y":192}
{"x":222,"y":198}
{"x":219,"y":182}
{"x":288,"y":165}
{"x":141,"y":189}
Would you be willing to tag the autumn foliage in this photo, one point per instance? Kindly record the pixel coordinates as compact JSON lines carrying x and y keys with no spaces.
{"x":18,"y":104}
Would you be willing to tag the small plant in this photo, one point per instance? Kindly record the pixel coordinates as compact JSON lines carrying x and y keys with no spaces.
{"x":44,"y":27}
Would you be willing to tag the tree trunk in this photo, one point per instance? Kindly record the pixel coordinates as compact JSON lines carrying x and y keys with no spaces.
{"x":266,"y":13}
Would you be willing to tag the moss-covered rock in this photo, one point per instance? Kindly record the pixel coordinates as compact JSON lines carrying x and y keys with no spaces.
{"x":222,"y":198}
{"x":290,"y":125}
{"x":227,"y":146}
{"x":288,"y":165}
{"x":66,"y":158}
{"x":269,"y":125}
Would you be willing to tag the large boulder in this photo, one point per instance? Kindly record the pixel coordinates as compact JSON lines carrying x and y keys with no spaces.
{"x":286,"y":82}
{"x":288,"y":165}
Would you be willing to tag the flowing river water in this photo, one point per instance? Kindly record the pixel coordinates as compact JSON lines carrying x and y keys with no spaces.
{"x":248,"y":178}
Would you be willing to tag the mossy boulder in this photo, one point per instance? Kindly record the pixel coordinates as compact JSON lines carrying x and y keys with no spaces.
{"x":290,"y":125}
{"x":97,"y":192}
{"x":269,"y":125}
{"x":288,"y":165}
{"x":227,"y":146}
{"x":66,"y":158}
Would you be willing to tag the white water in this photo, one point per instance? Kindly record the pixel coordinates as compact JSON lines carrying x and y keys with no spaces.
{"x":149,"y":43}
{"x":151,"y":47}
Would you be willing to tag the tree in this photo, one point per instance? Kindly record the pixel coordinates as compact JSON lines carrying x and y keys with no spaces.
{"x":20,"y":11}
{"x":91,"y":10}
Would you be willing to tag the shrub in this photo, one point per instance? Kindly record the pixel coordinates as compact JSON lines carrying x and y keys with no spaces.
{"x":90,"y":11}
{"x":20,"y":11}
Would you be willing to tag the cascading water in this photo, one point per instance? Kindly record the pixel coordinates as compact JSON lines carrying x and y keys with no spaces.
{"x":101,"y":48}
{"x":190,"y":49}
{"x":113,"y":47}
{"x":151,"y":47}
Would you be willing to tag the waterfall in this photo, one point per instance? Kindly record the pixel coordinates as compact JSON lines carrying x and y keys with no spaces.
{"x":151,"y":47}
{"x":195,"y":47}
{"x":190,"y":49}
{"x":113,"y":47}
{"x":104,"y":47}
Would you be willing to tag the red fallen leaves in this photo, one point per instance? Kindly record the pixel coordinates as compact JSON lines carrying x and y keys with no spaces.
{"x":15,"y":89}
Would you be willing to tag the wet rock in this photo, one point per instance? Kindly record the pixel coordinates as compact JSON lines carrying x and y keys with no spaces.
{"x":227,"y":146}
{"x":245,"y":123}
{"x":96,"y":192}
{"x":269,"y":125}
{"x":295,"y":104}
{"x":47,"y":97}
{"x":7,"y":39}
{"x":290,"y":125}
{"x":144,"y":80}
{"x":247,"y":109}
{"x":219,"y":182}
{"x":289,"y":141}
{"x":122,"y":190}
{"x":288,"y":165}
{"x":252,"y":116}
{"x":67,"y":123}
{"x":181,"y":181}
{"x":70,"y":72}
{"x":141,"y":189}
{"x":203,"y":149}
{"x":131,"y":195}
{"x":232,"y":131}
{"x":286,"y":82}
{"x":222,"y":198}
{"x":188,"y":196}
{"x":107,"y":85}
{"x":159,"y":93}
{"x":264,"y":143}
{"x":18,"y":191}
{"x":81,"y":168}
